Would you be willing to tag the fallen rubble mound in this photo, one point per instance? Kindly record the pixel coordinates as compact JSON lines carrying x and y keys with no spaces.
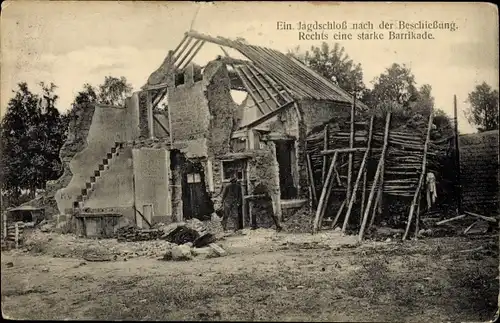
{"x":179,"y":233}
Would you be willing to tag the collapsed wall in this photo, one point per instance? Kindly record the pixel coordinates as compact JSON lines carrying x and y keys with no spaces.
{"x":90,"y":141}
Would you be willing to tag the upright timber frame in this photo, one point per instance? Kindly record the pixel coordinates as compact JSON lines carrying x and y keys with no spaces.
{"x":401,"y":153}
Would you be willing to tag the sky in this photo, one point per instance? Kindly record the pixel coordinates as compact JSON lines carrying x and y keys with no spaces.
{"x":72,"y":43}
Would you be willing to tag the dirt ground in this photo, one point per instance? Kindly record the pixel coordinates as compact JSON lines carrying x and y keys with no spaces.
{"x":265,"y":276}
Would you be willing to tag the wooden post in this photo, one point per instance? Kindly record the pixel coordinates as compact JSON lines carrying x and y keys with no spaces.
{"x":374,"y":213}
{"x":380,"y":193}
{"x":417,"y":217}
{"x":325,"y":157}
{"x":244,"y":202}
{"x":376,"y":178}
{"x":363,"y":189}
{"x":341,"y":208}
{"x":149,"y":105}
{"x":352,"y":198}
{"x":16,"y":225}
{"x":311,"y":179}
{"x":325,"y":193}
{"x":4,"y":222}
{"x":457,"y":159}
{"x":421,"y":179}
{"x":351,"y":145}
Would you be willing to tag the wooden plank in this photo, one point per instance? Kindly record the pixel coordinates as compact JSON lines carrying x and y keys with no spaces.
{"x":190,"y":59}
{"x":325,"y":194}
{"x":376,"y":178}
{"x":245,"y":84}
{"x":487,"y":218}
{"x":311,"y":179}
{"x":272,"y":83}
{"x":159,"y":97}
{"x":458,"y":217}
{"x":322,"y":79}
{"x":254,"y":73}
{"x":267,"y":116}
{"x":249,"y":90}
{"x":159,"y":86}
{"x":380,"y":194}
{"x":181,"y":51}
{"x":417,"y":222}
{"x":345,"y":150}
{"x":142,"y":216}
{"x":161,"y":125}
{"x":277,"y":74}
{"x":351,"y":146}
{"x":149,"y":107}
{"x":352,"y":198}
{"x":180,"y":63}
{"x":313,"y":84}
{"x":174,"y":52}
{"x":339,"y":212}
{"x":256,"y":89}
{"x":422,"y":176}
{"x":374,"y":211}
{"x":325,"y":157}
{"x":295,"y":85}
{"x":471,"y":226}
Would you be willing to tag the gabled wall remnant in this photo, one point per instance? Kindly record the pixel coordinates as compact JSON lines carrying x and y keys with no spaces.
{"x":108,"y":125}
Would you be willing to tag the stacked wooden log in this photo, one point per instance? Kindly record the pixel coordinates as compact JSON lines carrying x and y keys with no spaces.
{"x":403,"y":162}
{"x":131,"y":233}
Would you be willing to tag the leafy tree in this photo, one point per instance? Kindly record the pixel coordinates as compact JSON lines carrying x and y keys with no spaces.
{"x":114,"y":90}
{"x":32,"y":132}
{"x":88,"y":95}
{"x":483,"y":110}
{"x":334,"y":64}
{"x":397,"y":84}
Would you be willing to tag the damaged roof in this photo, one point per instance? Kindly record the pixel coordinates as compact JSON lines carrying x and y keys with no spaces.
{"x":273,"y":80}
{"x":268,"y":73}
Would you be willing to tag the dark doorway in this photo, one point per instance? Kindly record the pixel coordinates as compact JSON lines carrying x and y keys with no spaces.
{"x":285,"y":156}
{"x":196,"y":202}
{"x":238,"y":217}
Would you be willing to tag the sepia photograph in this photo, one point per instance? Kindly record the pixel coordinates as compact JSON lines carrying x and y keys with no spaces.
{"x":249,"y":161}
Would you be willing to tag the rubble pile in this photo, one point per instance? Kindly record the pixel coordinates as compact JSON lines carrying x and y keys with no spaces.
{"x":192,"y":231}
{"x":130,"y":233}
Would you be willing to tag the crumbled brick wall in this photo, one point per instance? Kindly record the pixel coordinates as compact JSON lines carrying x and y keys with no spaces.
{"x":221,"y":107}
{"x":143,"y":115}
{"x":479,"y":171}
{"x":218,"y":185}
{"x":264,"y":169}
{"x":188,"y":111}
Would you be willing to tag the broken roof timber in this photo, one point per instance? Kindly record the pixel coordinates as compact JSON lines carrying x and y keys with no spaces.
{"x":293,"y":75}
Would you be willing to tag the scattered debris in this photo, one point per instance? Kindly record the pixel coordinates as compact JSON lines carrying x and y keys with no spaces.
{"x":204,"y":251}
{"x":131,"y":233}
{"x":218,"y":250}
{"x":97,"y":258}
{"x":182,"y":252}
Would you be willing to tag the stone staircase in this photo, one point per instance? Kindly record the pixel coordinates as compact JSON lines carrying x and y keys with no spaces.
{"x":101,"y":168}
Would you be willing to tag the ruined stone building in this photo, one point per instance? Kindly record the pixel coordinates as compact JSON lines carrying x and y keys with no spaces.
{"x":162,"y":165}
